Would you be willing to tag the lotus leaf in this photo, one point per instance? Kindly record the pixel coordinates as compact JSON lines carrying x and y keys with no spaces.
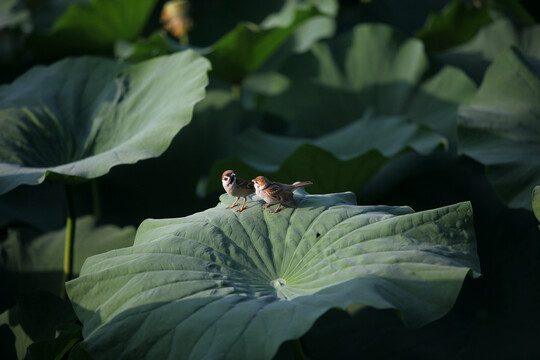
{"x":343,"y":159}
{"x":222,"y":284}
{"x":98,"y":24}
{"x":371,"y":68}
{"x":476,"y":55}
{"x":458,"y":22}
{"x":79,"y":117}
{"x":500,"y":128}
{"x":245,"y":48}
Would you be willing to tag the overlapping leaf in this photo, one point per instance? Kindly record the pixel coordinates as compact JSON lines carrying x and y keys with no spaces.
{"x":457,"y":23}
{"x":244,"y":49}
{"x":341,"y":160}
{"x":248,"y":46}
{"x":372,"y":74}
{"x":370,"y":68}
{"x":221,"y":284}
{"x":32,"y":261}
{"x":98,"y":24}
{"x":476,"y":55}
{"x":79,"y":117}
{"x":501,"y":126}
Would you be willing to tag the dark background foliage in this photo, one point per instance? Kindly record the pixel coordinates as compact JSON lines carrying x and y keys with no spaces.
{"x":494,"y":316}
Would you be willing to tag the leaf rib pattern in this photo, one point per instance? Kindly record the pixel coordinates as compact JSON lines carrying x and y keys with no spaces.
{"x":226,"y":285}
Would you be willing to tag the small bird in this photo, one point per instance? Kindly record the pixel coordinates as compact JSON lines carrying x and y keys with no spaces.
{"x":274,"y":192}
{"x":236,"y":186}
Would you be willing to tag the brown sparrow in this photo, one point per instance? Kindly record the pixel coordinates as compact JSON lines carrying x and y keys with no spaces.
{"x":236,"y":186}
{"x":274,"y":192}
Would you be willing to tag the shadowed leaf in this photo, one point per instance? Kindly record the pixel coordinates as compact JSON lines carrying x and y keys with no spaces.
{"x":500,"y":128}
{"x":340,"y":160}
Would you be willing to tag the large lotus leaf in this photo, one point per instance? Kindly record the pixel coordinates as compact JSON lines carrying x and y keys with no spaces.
{"x":371,"y":68}
{"x":96,"y":25}
{"x":320,"y":25}
{"x":457,"y":23}
{"x":32,"y":261}
{"x":79,"y":117}
{"x":475,"y":56}
{"x":493,"y":307}
{"x":500,"y":128}
{"x":222,"y":284}
{"x":341,"y":160}
{"x":213,"y":18}
{"x":245,"y":48}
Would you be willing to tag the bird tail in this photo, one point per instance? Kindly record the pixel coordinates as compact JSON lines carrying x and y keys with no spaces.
{"x":303,"y":183}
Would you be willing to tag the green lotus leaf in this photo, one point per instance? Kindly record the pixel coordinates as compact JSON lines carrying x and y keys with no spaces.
{"x":456,"y":23}
{"x":32,"y":260}
{"x":344,"y":159}
{"x":536,"y":202}
{"x":98,"y":24}
{"x":245,"y":48}
{"x":475,"y":56}
{"x":371,"y":68}
{"x":222,"y":284}
{"x":157,"y":44}
{"x":500,"y":128}
{"x":81,"y":116}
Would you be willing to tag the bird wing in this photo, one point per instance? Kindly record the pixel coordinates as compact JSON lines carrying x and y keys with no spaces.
{"x":245,"y":184}
{"x":282,"y":194}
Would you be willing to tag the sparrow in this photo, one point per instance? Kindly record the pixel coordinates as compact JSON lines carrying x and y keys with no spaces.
{"x":236,"y":186}
{"x":274,"y":192}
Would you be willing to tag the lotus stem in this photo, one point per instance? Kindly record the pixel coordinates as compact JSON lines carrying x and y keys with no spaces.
{"x":70,"y":239}
{"x":96,"y":200}
{"x":298,"y":352}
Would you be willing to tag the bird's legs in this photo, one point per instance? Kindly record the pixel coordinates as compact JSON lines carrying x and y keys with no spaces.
{"x":275,"y":211}
{"x":234,"y":203}
{"x":243,"y":205}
